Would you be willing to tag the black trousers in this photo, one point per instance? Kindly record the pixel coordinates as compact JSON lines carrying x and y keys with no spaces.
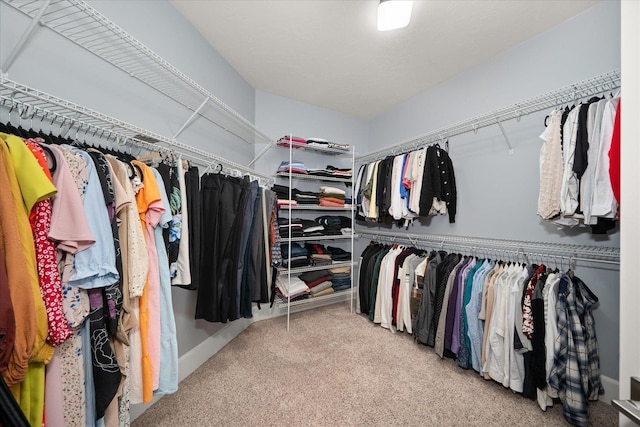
{"x":223,"y":203}
{"x":248,"y":242}
{"x":194,"y":209}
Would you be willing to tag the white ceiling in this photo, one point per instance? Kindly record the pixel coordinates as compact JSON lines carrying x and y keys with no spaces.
{"x":329,"y":53}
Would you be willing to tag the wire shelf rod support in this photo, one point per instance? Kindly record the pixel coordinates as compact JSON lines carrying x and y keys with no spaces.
{"x":587,"y":88}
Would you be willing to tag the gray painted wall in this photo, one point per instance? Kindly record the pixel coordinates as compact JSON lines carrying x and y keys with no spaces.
{"x":278,"y":116}
{"x":52,"y":64}
{"x":497,"y":191}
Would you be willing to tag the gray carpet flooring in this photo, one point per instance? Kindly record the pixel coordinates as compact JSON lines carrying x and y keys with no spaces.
{"x":335,"y":368}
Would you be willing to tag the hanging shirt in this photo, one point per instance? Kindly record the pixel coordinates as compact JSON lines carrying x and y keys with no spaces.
{"x":551,"y":168}
{"x":569,"y":190}
{"x":416,"y":172}
{"x":183,"y":268}
{"x":150,"y":210}
{"x":396,"y":209}
{"x":95,"y":267}
{"x":28,"y":185}
{"x":14,"y":260}
{"x":604,"y":202}
{"x":594,"y":122}
{"x":48,"y":273}
{"x":168,"y":364}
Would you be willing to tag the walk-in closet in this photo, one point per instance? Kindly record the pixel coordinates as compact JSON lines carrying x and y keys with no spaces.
{"x":300,"y":213}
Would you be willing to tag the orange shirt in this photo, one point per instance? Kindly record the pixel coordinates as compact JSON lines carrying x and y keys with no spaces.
{"x":150,"y":209}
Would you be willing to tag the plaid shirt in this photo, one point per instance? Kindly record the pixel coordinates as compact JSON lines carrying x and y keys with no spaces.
{"x":591,"y":381}
{"x":576,"y":368}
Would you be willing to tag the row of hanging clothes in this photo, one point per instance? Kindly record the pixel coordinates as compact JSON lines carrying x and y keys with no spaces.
{"x":400,"y":188}
{"x":580,"y":165}
{"x":527,"y":327}
{"x":93,"y":241}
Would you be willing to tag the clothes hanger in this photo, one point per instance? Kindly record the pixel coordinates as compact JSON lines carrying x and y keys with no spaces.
{"x":4,"y":127}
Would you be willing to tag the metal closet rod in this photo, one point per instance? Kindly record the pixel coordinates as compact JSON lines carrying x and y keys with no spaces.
{"x":44,"y":103}
{"x":584,"y":89}
{"x":596,"y":254}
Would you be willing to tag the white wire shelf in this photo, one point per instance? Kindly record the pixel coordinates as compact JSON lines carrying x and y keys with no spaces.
{"x":348,"y":208}
{"x":282,"y":300}
{"x":315,"y":148}
{"x":569,"y":94}
{"x":500,"y":247}
{"x":77,"y":118}
{"x":80,"y":23}
{"x":314,"y":177}
{"x":318,"y":238}
{"x":300,"y":270}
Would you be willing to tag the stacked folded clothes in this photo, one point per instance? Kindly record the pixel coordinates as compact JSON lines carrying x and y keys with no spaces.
{"x":307,"y":197}
{"x":296,"y":228}
{"x":295,"y":289}
{"x":320,"y":142}
{"x":340,"y":278}
{"x":284,"y":203}
{"x":311,"y":228}
{"x":318,"y":254}
{"x":282,"y":191}
{"x":332,"y":197}
{"x":335,"y":225}
{"x":331,"y":171}
{"x":295,"y":167}
{"x":299,"y":255}
{"x":291,"y":288}
{"x":293,"y":140}
{"x":314,"y":278}
{"x":319,"y":282}
{"x":338,"y":254}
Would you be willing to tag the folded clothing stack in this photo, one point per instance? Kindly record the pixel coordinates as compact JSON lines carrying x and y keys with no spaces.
{"x":335,"y":225}
{"x":318,"y":254}
{"x":338,"y":146}
{"x":306,"y":197}
{"x":299,"y":255}
{"x":331,"y":171}
{"x":332,"y":197}
{"x":294,"y":289}
{"x":311,"y":228}
{"x":295,"y":167}
{"x":287,"y":140}
{"x":340,"y":278}
{"x":296,"y":228}
{"x":320,"y":142}
{"x":319,"y":282}
{"x":338,"y":254}
{"x":282,"y":191}
{"x":282,"y":195}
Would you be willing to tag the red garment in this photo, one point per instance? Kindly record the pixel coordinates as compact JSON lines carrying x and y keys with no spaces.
{"x":48,"y":273}
{"x":614,"y":157}
{"x":316,"y":282}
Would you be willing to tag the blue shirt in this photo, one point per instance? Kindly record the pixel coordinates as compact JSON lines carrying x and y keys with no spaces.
{"x":168,"y":380}
{"x":95,"y":267}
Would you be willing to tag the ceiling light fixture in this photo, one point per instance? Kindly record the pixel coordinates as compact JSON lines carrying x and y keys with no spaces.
{"x":394,"y":14}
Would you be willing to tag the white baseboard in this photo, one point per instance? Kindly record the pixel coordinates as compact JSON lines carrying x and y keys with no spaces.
{"x":611,"y":389}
